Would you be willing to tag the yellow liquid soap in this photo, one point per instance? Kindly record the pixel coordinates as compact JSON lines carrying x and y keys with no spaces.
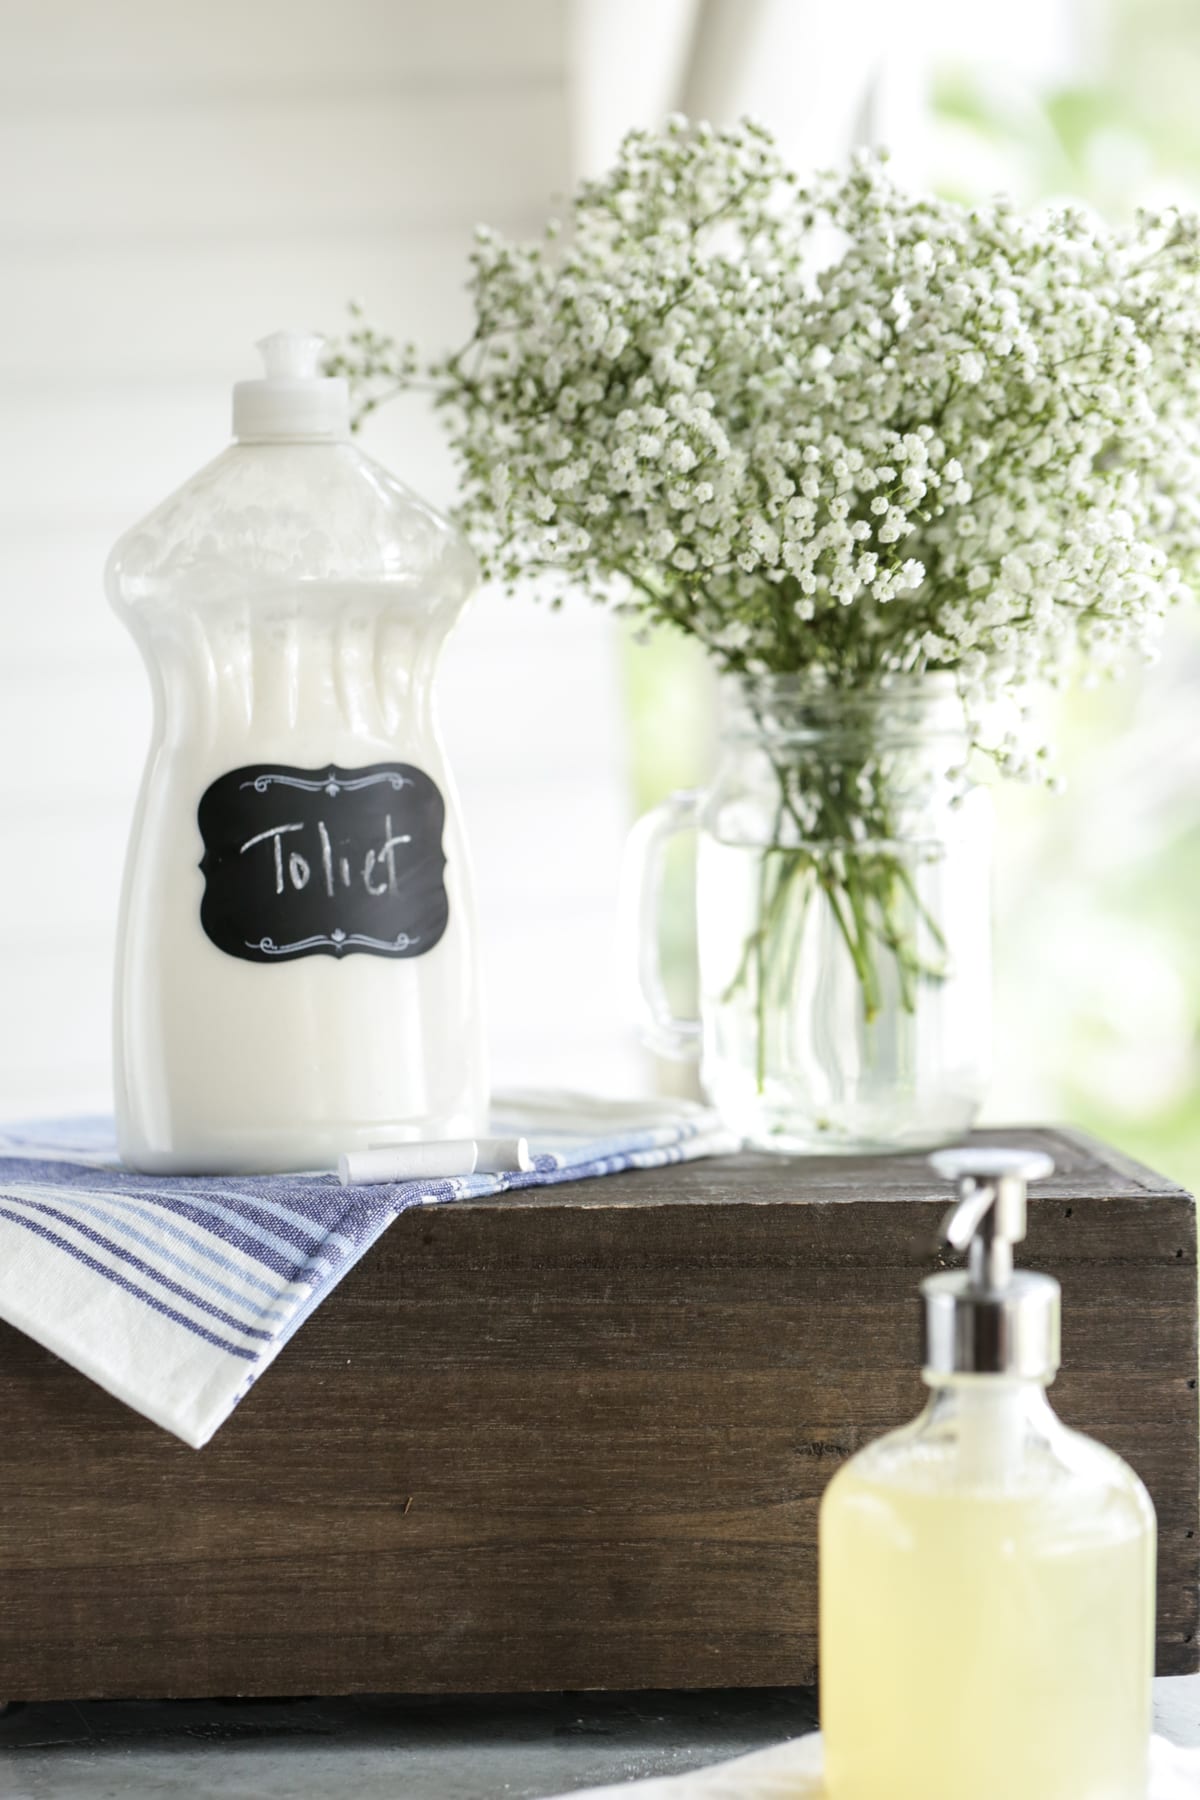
{"x":987,"y":1609}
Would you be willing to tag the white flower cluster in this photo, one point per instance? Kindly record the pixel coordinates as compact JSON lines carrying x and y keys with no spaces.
{"x":828,"y":425}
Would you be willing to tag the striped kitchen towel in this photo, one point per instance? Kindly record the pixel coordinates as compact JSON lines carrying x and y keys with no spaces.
{"x":175,"y":1293}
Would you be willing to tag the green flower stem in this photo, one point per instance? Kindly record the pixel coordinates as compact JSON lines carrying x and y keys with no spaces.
{"x":931,"y":925}
{"x":855,"y":944}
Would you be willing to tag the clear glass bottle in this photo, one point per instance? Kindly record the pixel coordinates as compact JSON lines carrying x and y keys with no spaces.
{"x":297,"y":959}
{"x":843,"y":917}
{"x":987,"y":1575}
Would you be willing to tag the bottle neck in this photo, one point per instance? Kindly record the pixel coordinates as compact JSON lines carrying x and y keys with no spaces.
{"x":983,"y":1397}
{"x":996,"y":1421}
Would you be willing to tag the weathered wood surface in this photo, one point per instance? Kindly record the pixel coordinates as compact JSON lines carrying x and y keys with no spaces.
{"x":568,"y":1438}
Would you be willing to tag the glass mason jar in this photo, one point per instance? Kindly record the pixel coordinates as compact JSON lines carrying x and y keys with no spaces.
{"x":843,"y":917}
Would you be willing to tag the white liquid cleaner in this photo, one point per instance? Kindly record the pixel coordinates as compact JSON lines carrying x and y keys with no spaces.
{"x":298,"y":962}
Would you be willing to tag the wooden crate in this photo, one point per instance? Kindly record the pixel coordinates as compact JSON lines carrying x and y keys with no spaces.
{"x":571,"y":1438}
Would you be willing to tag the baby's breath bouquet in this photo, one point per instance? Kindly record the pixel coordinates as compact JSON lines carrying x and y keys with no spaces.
{"x":829,"y":429}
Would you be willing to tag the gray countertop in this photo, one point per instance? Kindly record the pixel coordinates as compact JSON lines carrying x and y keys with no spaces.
{"x":390,"y":1748}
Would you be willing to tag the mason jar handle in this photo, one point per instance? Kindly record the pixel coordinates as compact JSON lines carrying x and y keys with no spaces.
{"x":638,"y":919}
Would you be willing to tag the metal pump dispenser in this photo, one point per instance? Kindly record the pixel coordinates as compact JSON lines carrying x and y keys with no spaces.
{"x":990,"y":1319}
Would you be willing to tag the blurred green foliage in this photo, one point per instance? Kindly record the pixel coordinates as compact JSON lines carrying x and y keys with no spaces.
{"x":1098,"y":952}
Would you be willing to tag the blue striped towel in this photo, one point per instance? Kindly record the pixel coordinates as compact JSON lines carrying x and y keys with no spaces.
{"x":175,"y":1293}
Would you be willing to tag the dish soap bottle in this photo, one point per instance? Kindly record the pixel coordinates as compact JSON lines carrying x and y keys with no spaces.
{"x":297,"y":962}
{"x":987,"y":1576}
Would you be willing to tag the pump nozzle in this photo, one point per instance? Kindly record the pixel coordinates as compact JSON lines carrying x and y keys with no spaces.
{"x":990,"y":1319}
{"x":989,"y":1216}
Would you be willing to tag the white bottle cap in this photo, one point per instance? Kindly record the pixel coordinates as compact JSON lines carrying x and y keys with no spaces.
{"x":293,"y":402}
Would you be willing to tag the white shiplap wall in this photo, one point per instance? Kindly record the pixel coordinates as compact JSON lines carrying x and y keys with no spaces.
{"x":174,"y":181}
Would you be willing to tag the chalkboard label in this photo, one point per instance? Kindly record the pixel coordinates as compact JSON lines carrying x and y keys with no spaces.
{"x":323,"y":862}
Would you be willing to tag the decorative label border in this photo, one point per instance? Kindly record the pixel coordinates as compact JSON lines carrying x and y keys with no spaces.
{"x":330,"y":782}
{"x":339,"y":940}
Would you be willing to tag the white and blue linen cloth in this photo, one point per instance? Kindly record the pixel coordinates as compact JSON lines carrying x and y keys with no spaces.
{"x":175,"y":1293}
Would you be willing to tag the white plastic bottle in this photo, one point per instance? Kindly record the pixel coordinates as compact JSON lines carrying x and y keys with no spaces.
{"x":297,"y":964}
{"x":987,"y":1575}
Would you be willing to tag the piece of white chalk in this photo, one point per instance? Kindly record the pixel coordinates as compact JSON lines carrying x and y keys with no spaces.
{"x":437,"y":1158}
{"x":503,"y":1156}
{"x":408,"y":1162}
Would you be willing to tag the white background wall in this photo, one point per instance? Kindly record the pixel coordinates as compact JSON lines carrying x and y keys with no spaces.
{"x":176,"y":180}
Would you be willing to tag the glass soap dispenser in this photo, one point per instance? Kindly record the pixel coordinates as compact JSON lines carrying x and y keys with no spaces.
{"x":987,"y":1576}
